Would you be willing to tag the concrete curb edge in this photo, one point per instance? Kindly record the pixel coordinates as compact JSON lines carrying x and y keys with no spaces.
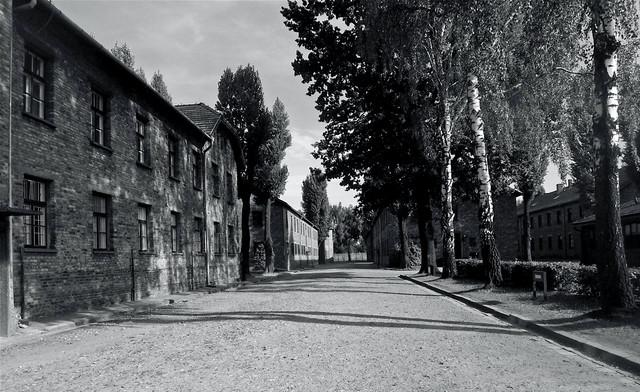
{"x":579,"y":345}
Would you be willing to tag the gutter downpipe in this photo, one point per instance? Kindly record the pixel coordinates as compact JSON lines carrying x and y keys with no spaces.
{"x":204,"y":215}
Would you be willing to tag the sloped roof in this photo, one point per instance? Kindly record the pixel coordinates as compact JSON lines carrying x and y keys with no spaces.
{"x":204,"y":116}
{"x":210,"y":120}
{"x":555,"y":198}
{"x":627,"y":209}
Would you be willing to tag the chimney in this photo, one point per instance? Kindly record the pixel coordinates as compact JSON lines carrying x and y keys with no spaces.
{"x":559,"y":188}
{"x":569,"y":183}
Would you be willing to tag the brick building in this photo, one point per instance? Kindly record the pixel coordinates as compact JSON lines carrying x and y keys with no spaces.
{"x":129,"y":199}
{"x":383,"y":239}
{"x":295,"y":239}
{"x":551,"y":217}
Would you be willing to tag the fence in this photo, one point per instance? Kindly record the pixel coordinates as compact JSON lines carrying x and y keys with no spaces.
{"x":344,"y":257}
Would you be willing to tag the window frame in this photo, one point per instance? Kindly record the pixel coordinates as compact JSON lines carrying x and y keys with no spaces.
{"x":144,"y":224}
{"x":218,"y":238}
{"x":102,"y":215}
{"x":196,"y":168}
{"x":198,"y":235}
{"x":230,"y":188}
{"x":174,"y":230}
{"x":143,"y":156}
{"x":231,"y":241}
{"x":39,"y":77}
{"x":103,"y":112}
{"x":217,"y":179}
{"x":41,"y":221}
{"x":173,"y":156}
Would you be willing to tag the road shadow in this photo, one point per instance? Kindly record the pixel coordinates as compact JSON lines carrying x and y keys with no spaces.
{"x":325,"y":318}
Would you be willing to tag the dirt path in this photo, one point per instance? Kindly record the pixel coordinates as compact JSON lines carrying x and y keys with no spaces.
{"x":323,"y":330}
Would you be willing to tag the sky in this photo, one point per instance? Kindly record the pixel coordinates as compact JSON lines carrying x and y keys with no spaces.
{"x":192,"y":42}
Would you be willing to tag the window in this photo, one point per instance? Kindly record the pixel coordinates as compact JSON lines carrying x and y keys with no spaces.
{"x":531,"y":222}
{"x":580,"y":212}
{"x":533,"y":243}
{"x":175,"y":232}
{"x":571,"y":244}
{"x":101,"y":221}
{"x":548,"y":219}
{"x":560,"y":242}
{"x":143,"y":227}
{"x":196,"y":170}
{"x":540,"y":243}
{"x":141,"y":141}
{"x":569,"y":218}
{"x":231,"y":241}
{"x":559,"y":217}
{"x":173,"y":157}
{"x":550,"y":242}
{"x":256,"y":218}
{"x":34,"y":85}
{"x":218,"y":238}
{"x":230,"y":191}
{"x":198,"y":236}
{"x":215,"y":173}
{"x":540,"y":220}
{"x":99,"y":119}
{"x":35,"y":199}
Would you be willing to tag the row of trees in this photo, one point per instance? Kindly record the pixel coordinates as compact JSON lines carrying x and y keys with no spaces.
{"x":399,"y":84}
{"x":123,"y":53}
{"x":264,"y":136}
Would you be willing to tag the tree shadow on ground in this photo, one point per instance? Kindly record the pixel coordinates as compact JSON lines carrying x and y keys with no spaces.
{"x":326,"y":318}
{"x":328,"y":290}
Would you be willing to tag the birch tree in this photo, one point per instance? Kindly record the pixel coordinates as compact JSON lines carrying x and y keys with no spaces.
{"x":616,"y":290}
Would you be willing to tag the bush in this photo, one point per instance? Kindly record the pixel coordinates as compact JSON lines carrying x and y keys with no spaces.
{"x":571,"y":277}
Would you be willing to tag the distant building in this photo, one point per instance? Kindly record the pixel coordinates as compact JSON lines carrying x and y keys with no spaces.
{"x":563,"y":225}
{"x":630,"y":217}
{"x":295,"y":239}
{"x":133,"y":198}
{"x":551,"y":216}
{"x":382,"y":240}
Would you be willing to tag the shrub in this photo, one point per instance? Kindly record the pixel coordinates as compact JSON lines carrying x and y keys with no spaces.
{"x":571,"y":277}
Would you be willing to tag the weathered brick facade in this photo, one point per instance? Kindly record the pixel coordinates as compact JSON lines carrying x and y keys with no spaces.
{"x":295,"y":239}
{"x":68,"y":272}
{"x":6,"y":23}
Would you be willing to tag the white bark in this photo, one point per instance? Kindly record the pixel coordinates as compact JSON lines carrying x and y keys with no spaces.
{"x":477,"y":126}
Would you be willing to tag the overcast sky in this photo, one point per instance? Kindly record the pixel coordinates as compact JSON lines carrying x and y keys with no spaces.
{"x":192,"y":42}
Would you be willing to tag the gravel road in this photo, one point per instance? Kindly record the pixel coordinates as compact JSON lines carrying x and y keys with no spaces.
{"x":321,"y":330}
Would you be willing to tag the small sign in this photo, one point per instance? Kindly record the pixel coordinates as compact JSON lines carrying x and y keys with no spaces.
{"x":540,"y":277}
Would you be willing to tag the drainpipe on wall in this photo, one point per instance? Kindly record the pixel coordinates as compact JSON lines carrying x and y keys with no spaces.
{"x":204,"y":216}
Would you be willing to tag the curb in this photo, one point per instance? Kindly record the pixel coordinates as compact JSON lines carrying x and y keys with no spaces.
{"x":590,"y":349}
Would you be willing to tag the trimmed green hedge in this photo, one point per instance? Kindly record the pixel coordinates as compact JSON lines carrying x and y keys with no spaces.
{"x":571,"y":277}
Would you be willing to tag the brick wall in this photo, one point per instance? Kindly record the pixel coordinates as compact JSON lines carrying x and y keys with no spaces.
{"x":224,"y":265}
{"x":6,"y":21}
{"x":69,"y":274}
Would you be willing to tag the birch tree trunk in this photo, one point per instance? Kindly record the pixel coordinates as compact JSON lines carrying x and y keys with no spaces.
{"x":449,"y":269}
{"x":616,"y":291}
{"x":490,"y":254}
{"x":268,"y":242}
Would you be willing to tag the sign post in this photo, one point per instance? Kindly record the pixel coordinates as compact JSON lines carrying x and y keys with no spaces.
{"x":540,"y":277}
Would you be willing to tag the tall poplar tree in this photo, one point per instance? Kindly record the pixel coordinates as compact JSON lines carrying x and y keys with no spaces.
{"x":271,"y":174}
{"x":315,"y":204}
{"x":241,"y":100}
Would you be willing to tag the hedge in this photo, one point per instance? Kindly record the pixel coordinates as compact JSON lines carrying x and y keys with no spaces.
{"x":570,"y":277}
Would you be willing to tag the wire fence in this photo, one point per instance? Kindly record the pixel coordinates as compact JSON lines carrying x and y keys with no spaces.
{"x":344,"y":257}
